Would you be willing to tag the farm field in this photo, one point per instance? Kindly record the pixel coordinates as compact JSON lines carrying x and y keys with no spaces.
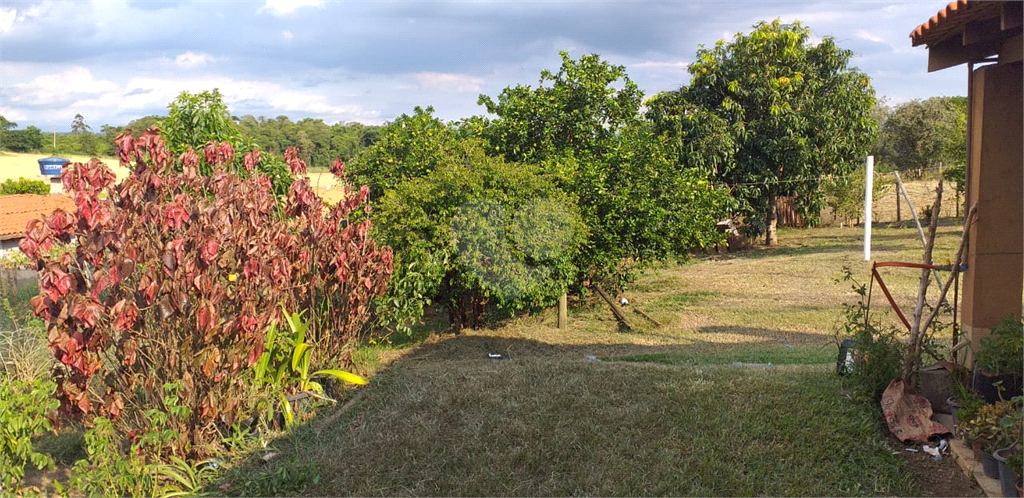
{"x":14,"y":165}
{"x":687,"y":408}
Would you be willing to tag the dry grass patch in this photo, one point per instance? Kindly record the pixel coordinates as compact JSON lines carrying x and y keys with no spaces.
{"x":14,"y":165}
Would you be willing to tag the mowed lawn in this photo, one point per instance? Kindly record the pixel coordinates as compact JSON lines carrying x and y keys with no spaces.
{"x":687,"y":408}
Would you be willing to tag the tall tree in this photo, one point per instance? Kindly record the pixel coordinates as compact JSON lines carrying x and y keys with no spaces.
{"x":27,"y":140}
{"x":923,"y":133}
{"x":795,"y":109}
{"x":78,"y":126}
{"x":577,"y":111}
{"x":195,"y":119}
{"x":6,"y":125}
{"x":583,"y":126}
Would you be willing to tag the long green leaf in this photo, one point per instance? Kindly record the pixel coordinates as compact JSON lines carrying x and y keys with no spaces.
{"x":349,"y":377}
{"x":289,"y":415}
{"x":301,"y":349}
{"x":261,"y":365}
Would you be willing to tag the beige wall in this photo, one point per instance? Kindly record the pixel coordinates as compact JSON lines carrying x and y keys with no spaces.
{"x":995,"y":258}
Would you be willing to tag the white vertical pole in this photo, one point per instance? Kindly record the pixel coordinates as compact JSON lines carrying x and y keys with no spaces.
{"x":869,"y":184}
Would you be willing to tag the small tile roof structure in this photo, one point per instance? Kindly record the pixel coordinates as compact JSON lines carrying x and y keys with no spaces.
{"x":970,"y":31}
{"x":17,"y":210}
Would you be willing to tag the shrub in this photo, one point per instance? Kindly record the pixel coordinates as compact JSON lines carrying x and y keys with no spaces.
{"x":178,"y":276}
{"x":24,"y":410}
{"x":474,"y":232}
{"x":878,"y":352}
{"x":24,"y":186}
{"x":1003,"y":349}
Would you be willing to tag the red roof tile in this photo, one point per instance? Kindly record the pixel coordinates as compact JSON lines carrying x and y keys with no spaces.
{"x":17,"y":210}
{"x":951,"y":20}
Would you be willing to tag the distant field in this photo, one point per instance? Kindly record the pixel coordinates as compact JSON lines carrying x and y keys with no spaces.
{"x":15,"y":165}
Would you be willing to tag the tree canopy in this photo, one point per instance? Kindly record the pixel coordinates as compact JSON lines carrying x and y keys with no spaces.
{"x":924,"y":133}
{"x":583,"y":126}
{"x":795,"y":111}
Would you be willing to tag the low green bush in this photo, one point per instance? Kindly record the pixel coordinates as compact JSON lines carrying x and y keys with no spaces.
{"x":24,"y":410}
{"x":24,"y":186}
{"x":878,"y":353}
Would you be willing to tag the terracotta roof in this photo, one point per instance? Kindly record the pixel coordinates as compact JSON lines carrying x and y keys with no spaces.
{"x":952,"y":19}
{"x":17,"y":210}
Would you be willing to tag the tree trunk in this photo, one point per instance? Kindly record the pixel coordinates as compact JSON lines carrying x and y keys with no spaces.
{"x":771,"y":237}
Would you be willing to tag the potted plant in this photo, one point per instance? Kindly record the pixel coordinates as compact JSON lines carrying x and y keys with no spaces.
{"x":990,"y":429}
{"x":998,"y":366}
{"x":964,"y":406}
{"x":1010,"y":444}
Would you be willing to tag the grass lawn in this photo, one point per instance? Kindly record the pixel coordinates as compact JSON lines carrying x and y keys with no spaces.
{"x":662,"y":411}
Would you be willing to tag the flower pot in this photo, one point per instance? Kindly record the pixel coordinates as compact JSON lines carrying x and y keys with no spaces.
{"x":953,"y":404}
{"x":1007,"y":476}
{"x":937,"y":387}
{"x":989,"y":464}
{"x":985,"y":385}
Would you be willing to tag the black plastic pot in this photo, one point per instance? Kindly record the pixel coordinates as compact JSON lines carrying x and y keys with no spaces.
{"x":986,"y":386}
{"x":953,"y":404}
{"x":1007,"y":476}
{"x":989,"y":464}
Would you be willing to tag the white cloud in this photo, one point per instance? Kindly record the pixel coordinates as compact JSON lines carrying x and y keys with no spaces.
{"x":191,"y":59}
{"x":458,"y":82}
{"x":866,"y":35}
{"x":287,"y":35}
{"x":7,"y":17}
{"x":284,"y":7}
{"x":146,"y":92}
{"x":658,"y":65}
{"x":50,"y":89}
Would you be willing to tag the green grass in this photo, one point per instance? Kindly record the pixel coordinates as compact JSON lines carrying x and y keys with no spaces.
{"x":533,"y":427}
{"x":666,"y":411}
{"x":776,"y":355}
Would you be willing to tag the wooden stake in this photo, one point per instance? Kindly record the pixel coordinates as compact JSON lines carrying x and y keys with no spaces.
{"x":563,"y":311}
{"x":645,"y":315}
{"x":619,"y":315}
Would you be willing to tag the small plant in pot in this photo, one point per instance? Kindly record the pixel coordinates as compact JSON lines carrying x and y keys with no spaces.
{"x":990,"y":429}
{"x":999,"y":365}
{"x":1010,"y":444}
{"x":965,"y":406}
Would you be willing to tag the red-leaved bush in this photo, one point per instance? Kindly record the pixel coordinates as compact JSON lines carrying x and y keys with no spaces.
{"x":177,"y":276}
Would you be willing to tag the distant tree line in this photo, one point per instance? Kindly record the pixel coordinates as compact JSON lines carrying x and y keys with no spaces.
{"x":318,"y":142}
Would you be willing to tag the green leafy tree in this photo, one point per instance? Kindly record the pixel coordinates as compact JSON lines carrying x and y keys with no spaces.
{"x":27,"y":140}
{"x":576,"y":112}
{"x":78,"y":126}
{"x":469,"y":231}
{"x":582,"y":125}
{"x":475,"y":233}
{"x":922,"y":134}
{"x":795,"y":109}
{"x":6,"y":125}
{"x":409,"y":147}
{"x":195,"y":119}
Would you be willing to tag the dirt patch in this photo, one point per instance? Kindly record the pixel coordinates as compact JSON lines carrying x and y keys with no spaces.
{"x":933,"y":478}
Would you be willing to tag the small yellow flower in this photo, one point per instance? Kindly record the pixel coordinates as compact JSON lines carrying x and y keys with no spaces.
{"x":232,"y":277}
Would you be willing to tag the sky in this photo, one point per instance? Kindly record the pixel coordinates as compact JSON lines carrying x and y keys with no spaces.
{"x":371,"y":61}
